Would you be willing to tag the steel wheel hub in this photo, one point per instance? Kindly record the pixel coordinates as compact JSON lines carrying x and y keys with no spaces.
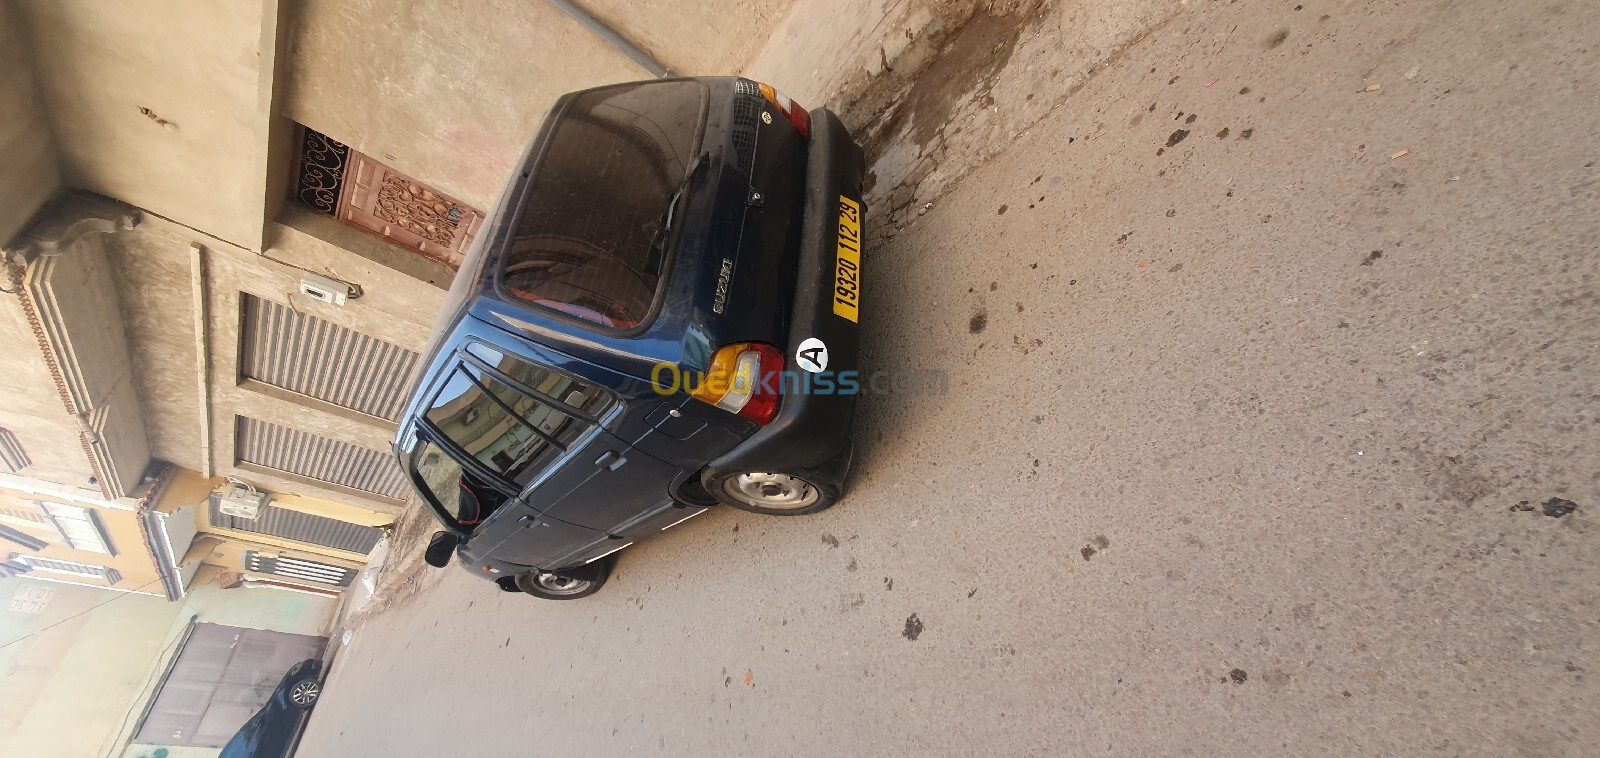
{"x":560,"y":585}
{"x":779,"y":492}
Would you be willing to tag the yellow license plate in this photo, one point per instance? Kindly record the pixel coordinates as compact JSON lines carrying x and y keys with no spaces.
{"x":847,"y":268}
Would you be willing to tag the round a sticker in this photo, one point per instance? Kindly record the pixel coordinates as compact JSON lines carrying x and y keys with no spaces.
{"x":812,"y":355}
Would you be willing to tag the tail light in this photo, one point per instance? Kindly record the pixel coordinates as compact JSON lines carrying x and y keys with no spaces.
{"x":743,"y":379}
{"x":790,"y":109}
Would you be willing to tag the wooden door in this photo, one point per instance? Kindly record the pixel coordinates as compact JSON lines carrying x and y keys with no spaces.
{"x":382,"y":201}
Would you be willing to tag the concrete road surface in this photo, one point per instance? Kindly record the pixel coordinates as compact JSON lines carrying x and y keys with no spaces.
{"x":1271,"y":429}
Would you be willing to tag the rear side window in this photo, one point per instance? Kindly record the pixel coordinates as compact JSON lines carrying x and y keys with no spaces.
{"x":547,"y":383}
{"x":512,"y":434}
{"x":590,"y":238}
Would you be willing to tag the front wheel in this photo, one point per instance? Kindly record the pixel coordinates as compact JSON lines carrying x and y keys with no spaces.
{"x":773,"y":493}
{"x":304,"y":694}
{"x":568,"y":584}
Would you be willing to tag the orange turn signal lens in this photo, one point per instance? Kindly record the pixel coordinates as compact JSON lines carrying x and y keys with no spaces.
{"x":742,"y":379}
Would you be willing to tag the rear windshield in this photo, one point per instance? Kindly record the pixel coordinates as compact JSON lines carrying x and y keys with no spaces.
{"x":590,"y":238}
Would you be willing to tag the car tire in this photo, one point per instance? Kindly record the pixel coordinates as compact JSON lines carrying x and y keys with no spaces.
{"x":774,"y":493}
{"x":305,"y":693}
{"x":566,"y":584}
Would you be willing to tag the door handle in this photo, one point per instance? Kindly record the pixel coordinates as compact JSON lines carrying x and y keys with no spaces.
{"x":610,"y":459}
{"x":527,"y":520}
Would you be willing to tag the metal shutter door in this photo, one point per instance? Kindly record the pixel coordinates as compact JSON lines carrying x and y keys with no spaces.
{"x":322,"y":360}
{"x":315,"y":457}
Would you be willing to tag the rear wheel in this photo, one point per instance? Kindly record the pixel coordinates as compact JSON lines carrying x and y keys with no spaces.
{"x":773,"y":493}
{"x":567,"y":584}
{"x":304,"y":693}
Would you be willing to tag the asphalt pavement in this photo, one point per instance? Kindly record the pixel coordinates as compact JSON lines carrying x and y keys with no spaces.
{"x":1271,"y":429}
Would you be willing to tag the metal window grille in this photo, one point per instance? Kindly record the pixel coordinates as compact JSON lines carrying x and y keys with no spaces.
{"x":299,"y":568}
{"x":300,"y":527}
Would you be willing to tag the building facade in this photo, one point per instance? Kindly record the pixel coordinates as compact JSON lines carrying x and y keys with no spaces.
{"x":226,"y":229}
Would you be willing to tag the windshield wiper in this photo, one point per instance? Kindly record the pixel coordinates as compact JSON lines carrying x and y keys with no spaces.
{"x":669,"y":216}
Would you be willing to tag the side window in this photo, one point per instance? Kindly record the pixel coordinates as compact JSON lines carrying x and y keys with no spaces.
{"x":442,"y":476}
{"x":512,"y":434}
{"x":586,"y":397}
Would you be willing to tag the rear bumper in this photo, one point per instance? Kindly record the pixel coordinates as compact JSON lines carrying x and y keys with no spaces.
{"x":813,"y":426}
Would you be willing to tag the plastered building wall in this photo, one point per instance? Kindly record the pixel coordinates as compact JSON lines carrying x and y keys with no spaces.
{"x":27,"y":151}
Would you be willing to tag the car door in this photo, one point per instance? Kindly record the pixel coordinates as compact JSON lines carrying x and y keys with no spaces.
{"x":538,"y":431}
{"x":484,"y":441}
{"x":593,"y":478}
{"x":525,"y":537}
{"x":606,"y":483}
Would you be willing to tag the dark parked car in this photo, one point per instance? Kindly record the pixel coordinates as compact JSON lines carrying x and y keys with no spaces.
{"x":273,"y":732}
{"x":660,"y":316}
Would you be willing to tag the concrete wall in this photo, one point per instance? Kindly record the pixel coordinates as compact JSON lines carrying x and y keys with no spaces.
{"x":447,"y":91}
{"x":185,"y":489}
{"x":78,"y":688}
{"x":153,"y":267}
{"x":69,"y":686}
{"x":856,"y":38}
{"x":451,"y":92}
{"x":694,"y":38}
{"x":193,"y":64}
{"x":76,"y":295}
{"x":27,"y":152}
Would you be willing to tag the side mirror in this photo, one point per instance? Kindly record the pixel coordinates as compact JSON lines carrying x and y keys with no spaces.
{"x":441,"y":548}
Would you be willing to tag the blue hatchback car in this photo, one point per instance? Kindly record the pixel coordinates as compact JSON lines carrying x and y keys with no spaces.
{"x":662,"y":315}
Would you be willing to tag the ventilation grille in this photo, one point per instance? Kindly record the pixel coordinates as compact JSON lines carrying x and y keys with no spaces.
{"x":12,"y":456}
{"x":745,"y":111}
{"x":301,"y":527}
{"x":323,"y":360}
{"x":315,"y":457}
{"x":299,"y":568}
